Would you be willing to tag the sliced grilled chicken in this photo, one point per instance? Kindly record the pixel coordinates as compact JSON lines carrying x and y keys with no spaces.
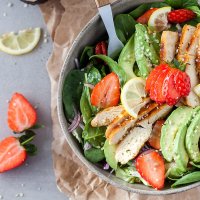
{"x":158,"y":113}
{"x":192,"y":48}
{"x":130,"y":146}
{"x":120,"y":126}
{"x":198,"y":60}
{"x":169,"y":41}
{"x":185,"y":39}
{"x":192,"y":99}
{"x":106,"y":116}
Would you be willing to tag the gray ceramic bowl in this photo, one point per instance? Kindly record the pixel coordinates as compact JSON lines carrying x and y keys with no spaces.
{"x":93,"y":31}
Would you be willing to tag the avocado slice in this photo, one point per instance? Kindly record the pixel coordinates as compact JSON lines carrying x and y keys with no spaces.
{"x":192,"y":139}
{"x":178,"y":118}
{"x":173,"y":172}
{"x":180,"y":154}
{"x":109,"y":151}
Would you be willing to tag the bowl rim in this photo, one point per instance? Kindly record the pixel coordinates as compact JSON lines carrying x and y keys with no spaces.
{"x":62,"y":122}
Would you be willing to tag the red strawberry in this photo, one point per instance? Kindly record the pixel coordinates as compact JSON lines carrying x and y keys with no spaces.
{"x":180,"y":16}
{"x":151,"y":167}
{"x":21,"y":114}
{"x":169,"y":90}
{"x":101,"y":48}
{"x":153,"y":76}
{"x":12,"y":154}
{"x":156,"y":91}
{"x":154,"y":140}
{"x":182,"y":83}
{"x":145,"y":17}
{"x":106,"y":93}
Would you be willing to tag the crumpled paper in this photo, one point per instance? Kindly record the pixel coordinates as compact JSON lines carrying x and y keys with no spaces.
{"x":65,"y":19}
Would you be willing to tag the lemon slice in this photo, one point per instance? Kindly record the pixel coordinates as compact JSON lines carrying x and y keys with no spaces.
{"x":197,"y":90}
{"x":132,"y":95}
{"x":158,"y":20}
{"x":21,"y":43}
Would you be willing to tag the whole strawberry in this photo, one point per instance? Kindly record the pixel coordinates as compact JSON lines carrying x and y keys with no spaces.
{"x":180,"y":16}
{"x":21,"y":114}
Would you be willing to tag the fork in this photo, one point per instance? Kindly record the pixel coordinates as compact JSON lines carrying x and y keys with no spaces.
{"x":105,"y":11}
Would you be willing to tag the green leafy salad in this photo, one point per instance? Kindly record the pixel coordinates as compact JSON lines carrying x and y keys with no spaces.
{"x":138,"y":115}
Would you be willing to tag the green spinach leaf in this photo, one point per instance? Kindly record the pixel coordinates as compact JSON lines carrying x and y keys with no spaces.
{"x":189,"y":178}
{"x":144,"y":7}
{"x":94,"y":155}
{"x":195,"y":9}
{"x":86,"y":54}
{"x":113,"y":67}
{"x":94,"y":135}
{"x":125,"y":26}
{"x":72,"y":90}
{"x":181,"y":3}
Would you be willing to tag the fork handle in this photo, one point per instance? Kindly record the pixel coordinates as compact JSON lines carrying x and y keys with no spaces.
{"x":101,"y":3}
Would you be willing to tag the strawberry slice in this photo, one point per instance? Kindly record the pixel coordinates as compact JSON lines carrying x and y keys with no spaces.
{"x":12,"y":154}
{"x":145,"y":17}
{"x":154,"y":140}
{"x":21,"y":114}
{"x":106,"y":93}
{"x":156,"y":90}
{"x":151,"y":167}
{"x":153,"y":76}
{"x":172,"y":96}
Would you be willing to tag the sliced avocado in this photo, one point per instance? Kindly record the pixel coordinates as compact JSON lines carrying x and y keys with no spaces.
{"x":173,"y":172}
{"x":109,"y":151}
{"x":180,"y":154}
{"x":169,"y":130}
{"x":192,"y":139}
{"x":127,"y":58}
{"x":145,"y":53}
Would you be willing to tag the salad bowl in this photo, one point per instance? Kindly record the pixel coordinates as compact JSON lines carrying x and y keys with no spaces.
{"x":91,"y":34}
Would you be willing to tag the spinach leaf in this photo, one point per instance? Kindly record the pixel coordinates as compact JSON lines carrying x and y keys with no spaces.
{"x":72,"y":90}
{"x":94,"y":135}
{"x":77,"y":133}
{"x":113,"y":67}
{"x":93,"y":76}
{"x":144,"y":7}
{"x":86,"y":54}
{"x":181,"y":3}
{"x":189,"y":178}
{"x":193,"y":22}
{"x":94,"y":155}
{"x":195,"y":9}
{"x":128,"y":174}
{"x":125,"y":27}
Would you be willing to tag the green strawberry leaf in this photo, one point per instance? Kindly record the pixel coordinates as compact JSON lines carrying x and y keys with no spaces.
{"x":31,"y":149}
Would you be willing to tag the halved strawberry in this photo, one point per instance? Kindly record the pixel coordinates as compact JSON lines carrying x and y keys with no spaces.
{"x":154,"y":140}
{"x":13,"y":151}
{"x":151,"y":167}
{"x":12,"y":154}
{"x":169,"y":91}
{"x":153,"y":76}
{"x":106,"y":93}
{"x":156,"y":91}
{"x":21,"y":114}
{"x":143,"y":19}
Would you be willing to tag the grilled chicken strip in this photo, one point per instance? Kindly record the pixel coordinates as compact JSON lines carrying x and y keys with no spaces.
{"x":130,"y":146}
{"x":120,"y":126}
{"x":169,"y":41}
{"x":106,"y":116}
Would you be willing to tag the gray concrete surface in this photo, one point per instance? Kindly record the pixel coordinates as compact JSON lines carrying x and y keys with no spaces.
{"x":27,"y":74}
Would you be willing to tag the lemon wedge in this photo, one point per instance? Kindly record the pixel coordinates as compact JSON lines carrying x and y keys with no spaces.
{"x":20,"y":43}
{"x":158,"y":20}
{"x":132,"y":95}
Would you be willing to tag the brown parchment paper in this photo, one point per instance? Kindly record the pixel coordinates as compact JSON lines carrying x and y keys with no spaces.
{"x":65,"y":19}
